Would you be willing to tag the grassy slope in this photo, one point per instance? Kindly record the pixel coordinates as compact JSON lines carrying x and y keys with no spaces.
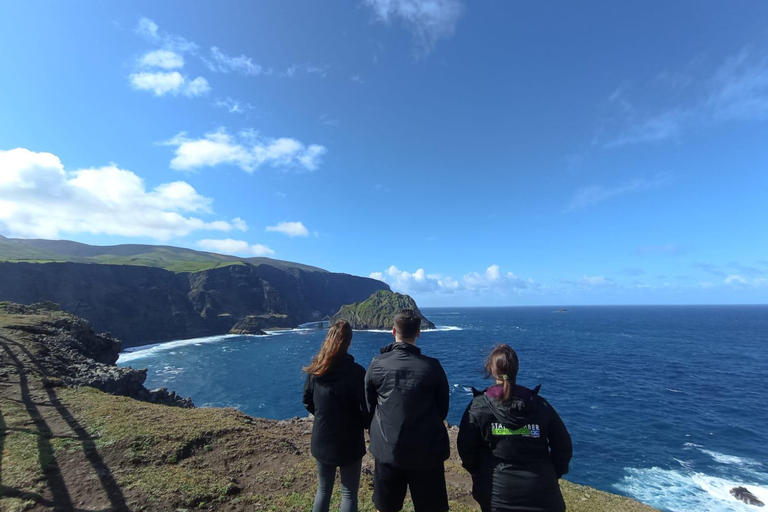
{"x":175,"y":259}
{"x":105,"y":451}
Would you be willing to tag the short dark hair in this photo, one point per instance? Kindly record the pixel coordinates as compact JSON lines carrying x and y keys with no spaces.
{"x":407,"y":323}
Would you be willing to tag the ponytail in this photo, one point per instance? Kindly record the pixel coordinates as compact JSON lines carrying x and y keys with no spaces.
{"x":502,"y":364}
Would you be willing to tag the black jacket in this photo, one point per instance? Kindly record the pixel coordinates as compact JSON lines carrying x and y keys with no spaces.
{"x":337,"y":399}
{"x":408,"y":397}
{"x":515,"y":451}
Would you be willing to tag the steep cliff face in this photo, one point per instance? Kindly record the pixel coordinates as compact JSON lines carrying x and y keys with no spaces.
{"x":378,"y":311}
{"x":141,"y":304}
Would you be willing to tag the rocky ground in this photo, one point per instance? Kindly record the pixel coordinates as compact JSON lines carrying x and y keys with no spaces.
{"x":65,"y":445}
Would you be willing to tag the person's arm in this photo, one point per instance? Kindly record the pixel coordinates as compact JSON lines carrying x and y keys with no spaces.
{"x":443,"y":393}
{"x":372,"y":396}
{"x":365,"y":417}
{"x":470,"y":441}
{"x":560,"y":445}
{"x":309,"y":389}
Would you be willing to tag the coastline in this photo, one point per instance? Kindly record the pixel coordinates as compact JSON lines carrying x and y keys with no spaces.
{"x":83,"y":446}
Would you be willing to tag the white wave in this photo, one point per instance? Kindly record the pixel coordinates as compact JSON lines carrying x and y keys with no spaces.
{"x":135,"y":353}
{"x":731,"y":459}
{"x":438,"y":328}
{"x":678,"y":491}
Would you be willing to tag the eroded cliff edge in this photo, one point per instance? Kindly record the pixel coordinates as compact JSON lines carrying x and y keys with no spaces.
{"x":143,"y":304}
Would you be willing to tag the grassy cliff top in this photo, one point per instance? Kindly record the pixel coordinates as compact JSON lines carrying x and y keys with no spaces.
{"x":81,"y":448}
{"x":175,"y":259}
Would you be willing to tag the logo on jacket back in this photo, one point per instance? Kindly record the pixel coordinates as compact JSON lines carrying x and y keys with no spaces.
{"x":530,"y":430}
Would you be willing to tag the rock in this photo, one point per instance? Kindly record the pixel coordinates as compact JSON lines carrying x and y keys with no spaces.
{"x":743,"y":494}
{"x":378,"y":311}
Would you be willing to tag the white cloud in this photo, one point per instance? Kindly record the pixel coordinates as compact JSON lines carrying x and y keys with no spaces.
{"x":493,"y":279}
{"x":309,"y":69}
{"x":290,"y":228}
{"x":736,"y":91}
{"x":233,"y":106}
{"x":164,"y":59}
{"x":593,"y":194}
{"x":596,"y":281}
{"x":235,"y":247}
{"x":735,"y":279}
{"x":39,"y":198}
{"x":149,"y":30}
{"x":247,"y":151}
{"x":224,"y":63}
{"x":162,"y":83}
{"x":428,"y":20}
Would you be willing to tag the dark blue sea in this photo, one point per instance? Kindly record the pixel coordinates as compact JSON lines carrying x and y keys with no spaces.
{"x":667,"y":404}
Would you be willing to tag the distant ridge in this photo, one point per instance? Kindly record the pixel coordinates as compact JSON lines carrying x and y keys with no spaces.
{"x":177,"y":259}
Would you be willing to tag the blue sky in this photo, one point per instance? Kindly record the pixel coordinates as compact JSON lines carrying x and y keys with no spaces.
{"x":484,"y":153}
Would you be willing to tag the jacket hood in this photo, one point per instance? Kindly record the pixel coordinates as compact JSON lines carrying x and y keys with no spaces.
{"x":338,"y":370}
{"x":401,"y":346}
{"x":516,"y":411}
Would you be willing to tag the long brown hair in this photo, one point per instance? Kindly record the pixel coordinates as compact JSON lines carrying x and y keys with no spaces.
{"x":335,"y":345}
{"x":502,"y":364}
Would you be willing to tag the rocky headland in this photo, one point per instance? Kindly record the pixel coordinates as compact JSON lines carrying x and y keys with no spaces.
{"x":67,"y":445}
{"x":145,"y":294}
{"x":378,"y":311}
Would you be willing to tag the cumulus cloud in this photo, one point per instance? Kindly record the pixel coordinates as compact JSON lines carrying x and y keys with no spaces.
{"x":39,"y":198}
{"x":223,"y":63}
{"x":154,"y":68}
{"x":290,"y":228}
{"x":493,"y":279}
{"x":247,"y":151}
{"x":173,"y":83}
{"x":428,"y":20}
{"x":165,"y":59}
{"x":235,"y":247}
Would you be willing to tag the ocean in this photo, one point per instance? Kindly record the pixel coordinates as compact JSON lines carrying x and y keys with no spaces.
{"x":665,"y":404}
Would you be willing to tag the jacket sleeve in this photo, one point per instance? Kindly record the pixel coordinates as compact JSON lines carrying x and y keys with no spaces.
{"x":309,"y":389}
{"x":560,"y":445}
{"x":371,"y":395}
{"x":443,"y":393}
{"x":470,"y":442}
{"x":361,"y":399}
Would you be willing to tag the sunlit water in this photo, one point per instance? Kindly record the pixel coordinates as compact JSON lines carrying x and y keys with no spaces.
{"x":668,"y":405}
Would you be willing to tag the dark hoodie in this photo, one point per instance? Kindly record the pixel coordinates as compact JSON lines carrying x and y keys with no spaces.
{"x":408,"y":397}
{"x":337,"y":399}
{"x":515,"y":451}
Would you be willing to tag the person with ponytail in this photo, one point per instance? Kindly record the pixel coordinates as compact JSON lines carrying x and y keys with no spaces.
{"x":513,"y":443}
{"x":335,"y":393}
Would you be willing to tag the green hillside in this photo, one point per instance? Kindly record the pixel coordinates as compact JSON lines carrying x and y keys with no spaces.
{"x":175,"y":259}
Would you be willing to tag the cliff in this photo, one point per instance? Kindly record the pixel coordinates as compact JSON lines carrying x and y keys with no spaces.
{"x":135,"y":297}
{"x":77,"y":448}
{"x":378,"y":311}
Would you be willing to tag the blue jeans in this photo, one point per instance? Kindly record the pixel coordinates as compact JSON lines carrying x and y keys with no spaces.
{"x":350,"y":481}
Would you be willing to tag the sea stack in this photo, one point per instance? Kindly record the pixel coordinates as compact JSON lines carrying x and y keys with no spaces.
{"x":378,"y":311}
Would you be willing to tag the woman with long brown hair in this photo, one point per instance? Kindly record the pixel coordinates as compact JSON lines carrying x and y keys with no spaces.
{"x":334,"y":392}
{"x":513,"y":443}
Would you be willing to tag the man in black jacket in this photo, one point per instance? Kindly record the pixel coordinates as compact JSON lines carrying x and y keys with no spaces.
{"x":408,"y":395}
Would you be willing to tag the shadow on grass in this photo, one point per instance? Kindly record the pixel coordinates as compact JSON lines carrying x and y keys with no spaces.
{"x":54,"y":480}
